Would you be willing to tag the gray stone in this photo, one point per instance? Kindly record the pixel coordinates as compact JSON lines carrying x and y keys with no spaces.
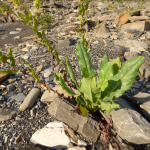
{"x":19,"y":74}
{"x":9,"y":95}
{"x":30,"y":99}
{"x":6,"y":114}
{"x":63,"y":44}
{"x":141,"y":97}
{"x":2,"y":98}
{"x":10,"y":87}
{"x":131,"y":43}
{"x":145,"y":107}
{"x":19,"y":97}
{"x":129,"y":124}
{"x":84,"y":125}
{"x":103,"y":29}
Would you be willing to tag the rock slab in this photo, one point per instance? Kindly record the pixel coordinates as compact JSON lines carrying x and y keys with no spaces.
{"x":129,"y":124}
{"x":86,"y":126}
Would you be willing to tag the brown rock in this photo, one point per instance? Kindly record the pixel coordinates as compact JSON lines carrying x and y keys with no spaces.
{"x":136,"y":27}
{"x":3,"y":76}
{"x":83,"y":125}
{"x":122,"y":18}
{"x":130,"y":55}
{"x":141,"y":97}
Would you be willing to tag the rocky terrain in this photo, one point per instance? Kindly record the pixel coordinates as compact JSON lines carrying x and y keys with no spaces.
{"x":31,"y":118}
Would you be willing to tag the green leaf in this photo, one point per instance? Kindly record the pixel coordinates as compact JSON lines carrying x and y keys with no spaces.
{"x":78,"y":100}
{"x":72,"y":75}
{"x":84,"y":110}
{"x":104,"y":75}
{"x":90,"y":91}
{"x":39,"y":34}
{"x":37,"y":4}
{"x":31,"y":71}
{"x":84,"y":60}
{"x":63,"y":84}
{"x":35,"y":23}
{"x":105,"y":59}
{"x":42,"y":43}
{"x":123,"y":80}
{"x":116,"y":65}
{"x":12,"y":60}
{"x":3,"y":58}
{"x":9,"y":71}
{"x":107,"y":107}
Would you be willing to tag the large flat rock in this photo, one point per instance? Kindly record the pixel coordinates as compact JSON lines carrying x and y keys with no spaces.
{"x":129,"y":124}
{"x":86,"y":126}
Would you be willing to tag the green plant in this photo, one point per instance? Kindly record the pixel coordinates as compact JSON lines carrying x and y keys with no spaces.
{"x":94,"y":95}
{"x":112,"y":80}
{"x":83,"y":6}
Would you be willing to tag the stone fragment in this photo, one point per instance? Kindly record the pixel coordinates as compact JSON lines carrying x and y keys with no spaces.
{"x":130,"y":55}
{"x":77,"y":148}
{"x":30,"y":99}
{"x":19,"y":97}
{"x":9,"y":45}
{"x":122,"y":18}
{"x":83,"y":125}
{"x":141,"y":97}
{"x":49,"y":97}
{"x":63,"y":44}
{"x":136,"y":27}
{"x":14,"y":32}
{"x":138,"y":18}
{"x":73,"y":26}
{"x":148,"y":35}
{"x":39,"y":68}
{"x":102,"y":30}
{"x":145,"y":70}
{"x":10,"y":87}
{"x":145,"y":107}
{"x":47,"y":71}
{"x":3,"y":76}
{"x":104,"y":36}
{"x":129,"y":124}
{"x":52,"y":135}
{"x":6,"y":114}
{"x":17,"y":37}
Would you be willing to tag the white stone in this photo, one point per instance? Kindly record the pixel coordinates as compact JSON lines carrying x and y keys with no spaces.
{"x":52,"y":135}
{"x":16,"y":37}
{"x":14,"y":32}
{"x":47,"y":72}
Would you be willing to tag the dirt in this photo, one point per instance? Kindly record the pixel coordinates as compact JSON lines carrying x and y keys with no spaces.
{"x":5,"y":28}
